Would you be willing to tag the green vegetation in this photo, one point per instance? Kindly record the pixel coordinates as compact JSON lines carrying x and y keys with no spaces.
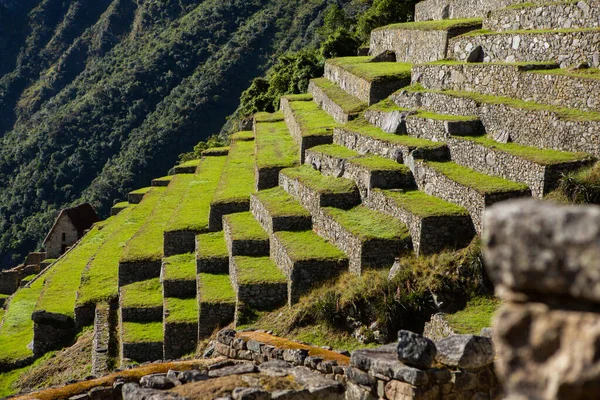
{"x":243,"y":226}
{"x":181,"y":267}
{"x":100,"y":280}
{"x":243,"y":136}
{"x":438,"y":25}
{"x":194,"y":208}
{"x":205,"y":147}
{"x":538,"y":4}
{"x":10,"y":381}
{"x":141,"y":191}
{"x":181,"y":310}
{"x":142,"y":332}
{"x":589,"y":73}
{"x":119,"y":206}
{"x":335,"y":150}
{"x":312,"y":120}
{"x":268,"y":117}
{"x":374,"y":72}
{"x":482,"y":183}
{"x":581,"y":186}
{"x":187,"y":164}
{"x":530,"y":31}
{"x":347,"y":102}
{"x":568,"y":114}
{"x":211,"y":245}
{"x":423,"y":205}
{"x":475,"y":316}
{"x":319,"y":182}
{"x":307,"y":245}
{"x":16,"y":331}
{"x":376,"y":163}
{"x":299,"y":97}
{"x":275,"y":147}
{"x":215,"y":151}
{"x":60,"y":291}
{"x":388,"y":105}
{"x":144,"y":294}
{"x":163,"y":179}
{"x":215,"y":288}
{"x":279,"y":203}
{"x":368,"y":224}
{"x":148,"y":243}
{"x":533,"y":154}
{"x":256,"y":270}
{"x":362,"y":127}
{"x":237,"y":180}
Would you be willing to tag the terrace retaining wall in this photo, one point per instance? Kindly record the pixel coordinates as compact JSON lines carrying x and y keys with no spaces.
{"x":142,"y":352}
{"x":281,"y":223}
{"x":455,"y":9}
{"x":213,"y":316}
{"x":218,"y":210}
{"x":330,"y":106}
{"x":181,"y":338}
{"x":130,"y":272}
{"x":266,"y":295}
{"x":179,"y":242}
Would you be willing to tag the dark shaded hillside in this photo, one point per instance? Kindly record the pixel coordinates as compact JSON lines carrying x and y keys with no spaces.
{"x":97,"y":96}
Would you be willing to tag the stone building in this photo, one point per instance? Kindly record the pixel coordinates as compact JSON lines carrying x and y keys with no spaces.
{"x":68,"y":228}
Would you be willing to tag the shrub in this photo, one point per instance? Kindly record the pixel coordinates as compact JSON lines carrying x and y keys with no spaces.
{"x":582,"y":186}
{"x":384,"y":12}
{"x":342,"y":43}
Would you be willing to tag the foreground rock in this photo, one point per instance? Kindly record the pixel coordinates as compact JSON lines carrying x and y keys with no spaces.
{"x":415,"y":350}
{"x":465,"y":351}
{"x":545,"y":261}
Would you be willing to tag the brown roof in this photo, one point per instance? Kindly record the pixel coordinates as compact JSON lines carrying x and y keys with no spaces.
{"x":82,"y":216}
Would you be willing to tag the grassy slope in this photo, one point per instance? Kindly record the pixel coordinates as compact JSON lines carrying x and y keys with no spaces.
{"x":307,"y":245}
{"x":373,"y":72}
{"x":279,"y":203}
{"x":148,"y":243}
{"x":319,"y":182}
{"x":181,"y":267}
{"x":211,"y":245}
{"x":237,"y":179}
{"x":181,"y":310}
{"x":423,"y":205}
{"x":476,"y":315}
{"x":275,"y":146}
{"x":142,"y":332}
{"x":100,"y":281}
{"x":312,"y":120}
{"x":438,"y":25}
{"x":362,"y":127}
{"x":368,"y":224}
{"x":142,"y":294}
{"x":194,"y":208}
{"x":215,"y":288}
{"x":244,"y":226}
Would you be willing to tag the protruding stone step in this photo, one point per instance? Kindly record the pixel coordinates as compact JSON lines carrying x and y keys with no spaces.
{"x":216,"y":299}
{"x":434,"y":224}
{"x":369,"y":81}
{"x":306,"y":260}
{"x":551,"y":15}
{"x":540,"y":169}
{"x":245,"y":236}
{"x":314,"y":190}
{"x":178,"y":276}
{"x":212,"y":256}
{"x":363,"y":138}
{"x":507,"y":119}
{"x":276,"y":210}
{"x":236,"y":184}
{"x":180,"y":326}
{"x":275,"y":150}
{"x":216,"y":152}
{"x":390,"y":118}
{"x":141,"y":301}
{"x":418,"y":42}
{"x":465,"y":187}
{"x":188,"y":167}
{"x":308,"y":124}
{"x":343,"y":107}
{"x":163,"y":181}
{"x":117,"y":208}
{"x":368,"y":171}
{"x":450,"y":9}
{"x":257,"y":282}
{"x":136,"y":196}
{"x":366,"y":236}
{"x":539,"y":82}
{"x":141,"y":341}
{"x":568,"y":47}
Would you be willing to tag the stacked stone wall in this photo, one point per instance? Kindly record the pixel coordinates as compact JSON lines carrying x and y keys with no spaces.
{"x":218,"y":210}
{"x":250,"y":248}
{"x":264,"y":295}
{"x":130,"y":272}
{"x":104,"y":322}
{"x":279,"y":223}
{"x":142,"y":352}
{"x":181,"y":338}
{"x":51,"y":331}
{"x":330,"y":106}
{"x":183,"y":289}
{"x":213,"y":316}
{"x":179,"y":242}
{"x":455,"y":9}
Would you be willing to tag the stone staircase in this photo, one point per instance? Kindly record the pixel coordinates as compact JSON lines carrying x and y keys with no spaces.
{"x":397,"y":152}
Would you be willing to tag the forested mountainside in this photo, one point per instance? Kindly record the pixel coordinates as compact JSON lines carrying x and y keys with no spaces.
{"x":98,"y":96}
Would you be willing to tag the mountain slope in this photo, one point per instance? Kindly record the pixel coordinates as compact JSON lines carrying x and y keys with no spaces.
{"x":98,"y":96}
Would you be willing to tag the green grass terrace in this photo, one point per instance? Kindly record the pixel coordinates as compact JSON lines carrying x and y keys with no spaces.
{"x":366,"y":224}
{"x":215,"y":288}
{"x":423,"y":205}
{"x":348,"y":103}
{"x":148,"y":243}
{"x":280,"y":204}
{"x":312,"y":120}
{"x":318,"y":182}
{"x":243,"y":226}
{"x":275,"y":147}
{"x":307,"y":245}
{"x":237,"y":179}
{"x":373,"y":71}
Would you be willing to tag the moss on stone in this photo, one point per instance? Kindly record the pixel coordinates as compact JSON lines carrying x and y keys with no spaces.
{"x":533,"y":154}
{"x":242,"y":136}
{"x":368,"y":224}
{"x":307,"y":245}
{"x":437,"y":25}
{"x":362,"y":127}
{"x":144,"y":294}
{"x":148,"y":243}
{"x":193,"y":211}
{"x":268,"y":117}
{"x":313,"y":179}
{"x":142,"y":332}
{"x":215,"y":288}
{"x":212,"y":245}
{"x":482,"y":183}
{"x":237,"y":179}
{"x":280,"y":204}
{"x":243,"y":226}
{"x":100,"y":280}
{"x":275,"y":147}
{"x":422,"y":204}
{"x":181,"y":267}
{"x":348,"y":103}
{"x":257,"y":270}
{"x":312,"y":120}
{"x":181,"y":310}
{"x":373,"y":72}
